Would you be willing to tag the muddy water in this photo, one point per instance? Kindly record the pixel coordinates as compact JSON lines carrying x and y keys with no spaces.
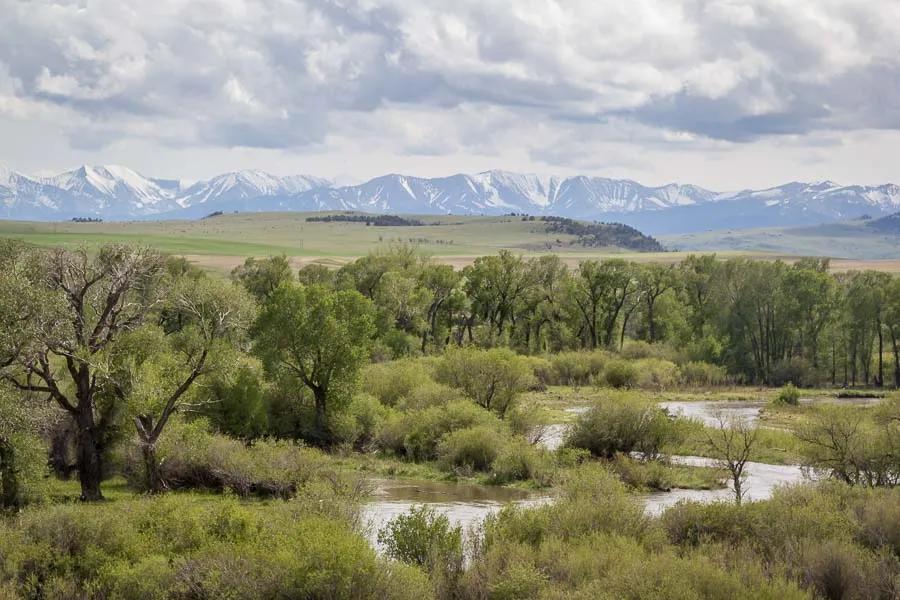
{"x":708,"y":412}
{"x":465,"y":505}
{"x":761,"y":481}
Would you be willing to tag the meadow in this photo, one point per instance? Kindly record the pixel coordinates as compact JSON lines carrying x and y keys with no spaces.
{"x":223,"y":242}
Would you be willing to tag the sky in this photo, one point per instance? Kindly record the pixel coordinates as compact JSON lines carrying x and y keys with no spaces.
{"x":719,"y":93}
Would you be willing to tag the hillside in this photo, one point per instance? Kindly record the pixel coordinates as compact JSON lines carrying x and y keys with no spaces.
{"x":294,"y":234}
{"x":859,"y":239}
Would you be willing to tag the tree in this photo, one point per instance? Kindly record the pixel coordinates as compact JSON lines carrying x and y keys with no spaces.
{"x":600,"y":291}
{"x":22,"y":454}
{"x":319,"y":337}
{"x":86,"y":303}
{"x":654,"y":281}
{"x":262,"y":276}
{"x":731,"y":444}
{"x":495,"y":285}
{"x":212,"y":316}
{"x":441,"y":281}
{"x":492,"y":378}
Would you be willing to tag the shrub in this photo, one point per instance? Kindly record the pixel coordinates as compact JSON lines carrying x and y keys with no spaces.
{"x":188,"y":546}
{"x":655,"y":373}
{"x":623,"y":423}
{"x":520,"y":461}
{"x":430,"y":394}
{"x":703,"y":374}
{"x":191,"y":457}
{"x":638,"y":475}
{"x":237,"y":404}
{"x":492,"y":378}
{"x":542,"y":369}
{"x":367,"y":415}
{"x":23,"y":456}
{"x":416,"y":434}
{"x":788,"y":396}
{"x":528,"y":421}
{"x":390,"y":382}
{"x":620,"y":374}
{"x":424,"y":538}
{"x":576,"y":368}
{"x":639,"y":349}
{"x":471,"y":449}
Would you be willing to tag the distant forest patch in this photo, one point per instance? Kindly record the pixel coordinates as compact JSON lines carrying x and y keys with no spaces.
{"x":376,"y":220}
{"x":596,"y":235}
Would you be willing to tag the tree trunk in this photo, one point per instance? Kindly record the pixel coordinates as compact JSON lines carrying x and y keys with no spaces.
{"x":90,"y":467}
{"x":156,"y":484}
{"x":321,"y":433}
{"x":9,"y":483}
{"x":651,"y":321}
{"x":880,"y":381}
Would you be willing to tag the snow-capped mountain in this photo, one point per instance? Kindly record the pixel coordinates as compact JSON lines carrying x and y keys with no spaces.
{"x":114,"y":192}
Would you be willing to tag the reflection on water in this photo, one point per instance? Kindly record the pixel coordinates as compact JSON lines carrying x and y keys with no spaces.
{"x":465,"y":505}
{"x":708,"y":412}
{"x":761,"y":481}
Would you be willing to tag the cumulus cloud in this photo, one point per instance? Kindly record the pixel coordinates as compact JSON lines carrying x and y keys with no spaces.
{"x":440,"y":77}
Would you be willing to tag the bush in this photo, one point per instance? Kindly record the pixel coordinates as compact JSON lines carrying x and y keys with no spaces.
{"x":492,"y":378}
{"x":620,"y":374}
{"x":471,"y":449}
{"x":642,"y":475}
{"x":520,"y":461}
{"x":366,"y":416}
{"x":391,"y":382}
{"x":236,"y":402}
{"x":416,"y":434}
{"x":23,"y":455}
{"x":424,"y":538}
{"x":788,"y":396}
{"x":623,"y":423}
{"x":576,"y":368}
{"x":430,"y":394}
{"x":655,"y":374}
{"x":703,"y":374}
{"x":639,"y":349}
{"x":192,"y":458}
{"x":190,"y":547}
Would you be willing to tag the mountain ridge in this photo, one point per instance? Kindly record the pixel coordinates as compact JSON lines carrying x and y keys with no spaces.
{"x":119,"y":193}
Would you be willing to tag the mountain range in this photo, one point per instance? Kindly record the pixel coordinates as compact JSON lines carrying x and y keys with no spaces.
{"x":119,"y":193}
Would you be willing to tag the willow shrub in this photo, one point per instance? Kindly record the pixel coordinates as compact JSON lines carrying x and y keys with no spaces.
{"x":417,"y":433}
{"x":193,"y":458}
{"x":623,"y":423}
{"x":181,"y":546}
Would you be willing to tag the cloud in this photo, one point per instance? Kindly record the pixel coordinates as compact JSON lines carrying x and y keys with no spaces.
{"x":441,"y":77}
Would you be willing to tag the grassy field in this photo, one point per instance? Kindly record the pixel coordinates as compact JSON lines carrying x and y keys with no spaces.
{"x":852,"y":239}
{"x":221,"y":243}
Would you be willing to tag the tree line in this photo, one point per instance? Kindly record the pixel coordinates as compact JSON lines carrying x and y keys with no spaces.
{"x":118,"y":338}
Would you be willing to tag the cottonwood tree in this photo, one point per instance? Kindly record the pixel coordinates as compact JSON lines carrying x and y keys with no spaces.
{"x":731,"y":444}
{"x":79,"y":305}
{"x":212,"y":317}
{"x":320,"y":338}
{"x":262,"y":276}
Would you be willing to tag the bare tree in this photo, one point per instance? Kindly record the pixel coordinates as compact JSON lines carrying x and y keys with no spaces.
{"x":731,"y":444}
{"x":81,"y":303}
